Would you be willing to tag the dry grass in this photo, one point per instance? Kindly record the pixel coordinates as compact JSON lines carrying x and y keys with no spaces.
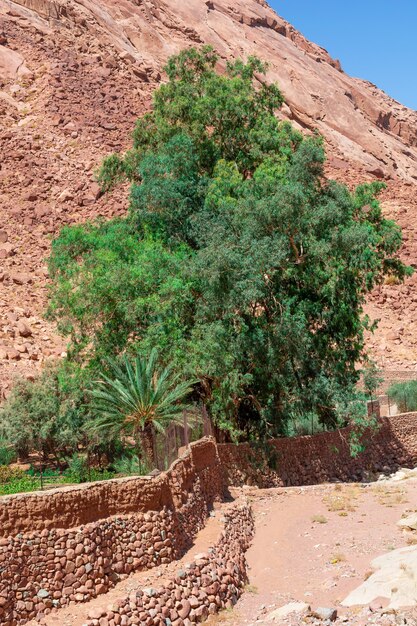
{"x":411,"y":539}
{"x":389,"y":496}
{"x":337,"y":557}
{"x":251,"y":589}
{"x":342,"y":499}
{"x":391,"y":280}
{"x":220,"y":618}
{"x":319,"y":519}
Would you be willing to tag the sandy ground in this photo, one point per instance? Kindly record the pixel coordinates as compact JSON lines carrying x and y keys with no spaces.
{"x":315,"y":545}
{"x":312,"y":544}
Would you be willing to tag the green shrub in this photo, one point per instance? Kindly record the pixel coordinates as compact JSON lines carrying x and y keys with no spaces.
{"x":16,"y":480}
{"x":131,"y":465}
{"x":404,"y":395}
{"x":7,"y":454}
{"x":79,"y":472}
{"x":19,"y":485}
{"x":47,"y":415}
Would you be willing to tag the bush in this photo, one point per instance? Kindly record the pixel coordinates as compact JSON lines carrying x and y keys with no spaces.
{"x":304,"y":425}
{"x":47,"y":415}
{"x":79,"y":472}
{"x":132,"y":465}
{"x":15,"y":480}
{"x":9,"y":474}
{"x":404,"y":395}
{"x":7,"y":454}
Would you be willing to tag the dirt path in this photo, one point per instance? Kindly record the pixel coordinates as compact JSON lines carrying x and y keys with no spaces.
{"x":312,"y":544}
{"x":315,"y":545}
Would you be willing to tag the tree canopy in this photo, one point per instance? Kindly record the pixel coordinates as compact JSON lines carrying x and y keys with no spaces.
{"x":237,"y":259}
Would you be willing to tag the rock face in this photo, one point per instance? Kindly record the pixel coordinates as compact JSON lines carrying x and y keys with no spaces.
{"x":74,"y":75}
{"x":394,"y":579}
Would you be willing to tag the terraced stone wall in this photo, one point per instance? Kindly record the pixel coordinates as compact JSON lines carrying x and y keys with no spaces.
{"x":214,"y":581}
{"x":325,"y":457}
{"x":72,"y":544}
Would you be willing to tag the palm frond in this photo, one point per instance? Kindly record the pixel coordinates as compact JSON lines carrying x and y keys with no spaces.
{"x":133,"y":395}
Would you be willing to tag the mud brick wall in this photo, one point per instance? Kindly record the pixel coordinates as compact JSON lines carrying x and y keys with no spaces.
{"x":325,"y":457}
{"x":197,"y":471}
{"x":214,"y":581}
{"x":73,"y":544}
{"x":76,"y":543}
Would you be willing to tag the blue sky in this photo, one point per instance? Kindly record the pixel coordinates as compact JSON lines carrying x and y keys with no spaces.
{"x":373,"y":39}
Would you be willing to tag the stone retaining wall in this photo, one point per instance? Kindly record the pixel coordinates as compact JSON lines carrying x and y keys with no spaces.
{"x":325,"y":457}
{"x":198,"y":470}
{"x":63,"y":560}
{"x":214,"y":581}
{"x":72,"y":544}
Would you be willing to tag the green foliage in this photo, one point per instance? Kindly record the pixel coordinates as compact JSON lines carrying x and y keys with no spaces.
{"x":372,"y":378}
{"x":113,"y":287}
{"x":19,"y":485}
{"x":306,"y":424}
{"x":238,"y":260}
{"x":15,"y":480}
{"x":132,"y":466}
{"x":224,"y":116}
{"x":135,"y":400}
{"x":78,"y":471}
{"x":404,"y":395}
{"x":7,"y":454}
{"x":46,"y":415}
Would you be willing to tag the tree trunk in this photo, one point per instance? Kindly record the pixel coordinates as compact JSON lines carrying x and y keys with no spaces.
{"x":147,"y":441}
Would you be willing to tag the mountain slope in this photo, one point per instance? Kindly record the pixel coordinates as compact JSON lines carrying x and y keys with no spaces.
{"x":74,"y":75}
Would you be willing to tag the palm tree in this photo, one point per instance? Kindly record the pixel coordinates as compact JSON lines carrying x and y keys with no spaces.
{"x":137,"y":400}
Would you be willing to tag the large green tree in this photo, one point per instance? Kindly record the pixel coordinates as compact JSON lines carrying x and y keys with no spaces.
{"x":238,"y":259}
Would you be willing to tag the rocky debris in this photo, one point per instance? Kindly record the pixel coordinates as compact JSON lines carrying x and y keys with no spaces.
{"x":377,"y":613}
{"x":324,"y":614}
{"x":403,"y":473}
{"x":24,"y":329}
{"x":12,"y":64}
{"x":409,"y":522}
{"x":287,"y":609}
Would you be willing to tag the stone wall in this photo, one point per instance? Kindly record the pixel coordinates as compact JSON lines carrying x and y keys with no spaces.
{"x":72,"y":544}
{"x":50,"y":556}
{"x":214,"y":581}
{"x":198,"y":470}
{"x":325,"y":456}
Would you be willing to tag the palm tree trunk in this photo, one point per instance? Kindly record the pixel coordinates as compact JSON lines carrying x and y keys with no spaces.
{"x":147,"y":440}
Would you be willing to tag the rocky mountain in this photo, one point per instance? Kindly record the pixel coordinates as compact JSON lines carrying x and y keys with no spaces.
{"x":74,"y":75}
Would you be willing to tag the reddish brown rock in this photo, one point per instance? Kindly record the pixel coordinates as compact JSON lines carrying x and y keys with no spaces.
{"x":24,"y":329}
